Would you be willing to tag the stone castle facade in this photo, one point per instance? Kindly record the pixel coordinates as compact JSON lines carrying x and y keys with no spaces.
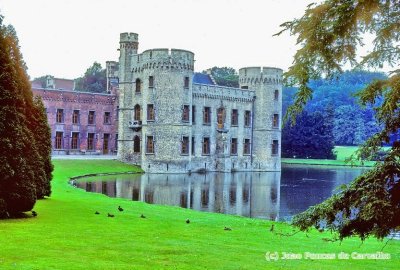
{"x":173,"y":120}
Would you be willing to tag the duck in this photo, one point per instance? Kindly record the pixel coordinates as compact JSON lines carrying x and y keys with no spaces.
{"x":34,"y":213}
{"x":142,"y":216}
{"x":97,"y":213}
{"x":227,"y":229}
{"x":120,"y":208}
{"x":187,"y":221}
{"x":110,"y":215}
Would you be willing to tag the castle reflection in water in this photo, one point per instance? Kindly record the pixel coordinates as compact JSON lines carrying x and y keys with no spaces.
{"x":254,"y":195}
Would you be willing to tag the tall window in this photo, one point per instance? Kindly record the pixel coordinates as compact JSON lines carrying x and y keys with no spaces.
{"x":137,"y":112}
{"x":275,"y":147}
{"x":185,"y":146}
{"x":276,"y":95}
{"x":247,"y":118}
{"x":150,"y":145}
{"x":151,"y":81}
{"x":193,"y":114}
{"x":136,"y":144}
{"x":275,"y":121}
{"x":91,"y":117}
{"x":75,"y":140}
{"x":116,"y":141}
{"x":234,"y":117}
{"x":60,"y":116}
{"x":185,"y":113}
{"x":234,"y":146}
{"x":150,"y":112}
{"x":59,"y":140}
{"x":90,"y":141}
{"x":193,"y":152}
{"x":75,"y":117}
{"x":186,"y":83}
{"x":207,"y":115}
{"x":206,"y":146}
{"x":246,"y":147}
{"x":107,"y":118}
{"x":220,"y":118}
{"x":138,"y":86}
{"x":117,"y":114}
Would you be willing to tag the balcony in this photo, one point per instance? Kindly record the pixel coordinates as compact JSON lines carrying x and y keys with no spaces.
{"x":136,"y":125}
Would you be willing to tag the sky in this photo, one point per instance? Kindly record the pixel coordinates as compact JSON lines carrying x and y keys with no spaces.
{"x":64,"y":37}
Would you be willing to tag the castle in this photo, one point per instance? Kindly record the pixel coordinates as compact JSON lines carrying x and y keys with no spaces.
{"x":173,"y":120}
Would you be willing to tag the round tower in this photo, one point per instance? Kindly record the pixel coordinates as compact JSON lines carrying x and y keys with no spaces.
{"x":162,"y":88}
{"x":266,"y":115}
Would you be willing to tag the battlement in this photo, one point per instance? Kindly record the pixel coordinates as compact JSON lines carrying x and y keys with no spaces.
{"x":163,"y":59}
{"x":128,"y":37}
{"x":265,"y":75}
{"x":222,"y":92}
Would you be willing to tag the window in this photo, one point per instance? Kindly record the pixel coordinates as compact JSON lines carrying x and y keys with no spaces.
{"x":106,"y":143}
{"x":91,"y":118}
{"x":275,"y":147}
{"x":116,"y":141}
{"x":151,"y":81}
{"x":246,"y":147}
{"x":185,"y":146}
{"x":276,"y":95}
{"x":136,"y":144}
{"x":117,"y":114}
{"x":234,"y":146}
{"x":244,"y":87}
{"x":75,"y":140}
{"x":220,"y":118}
{"x":193,"y":146}
{"x":275,"y":121}
{"x":107,"y":118}
{"x":193,"y":114}
{"x":138,"y":86}
{"x":60,"y":116}
{"x":75,"y":117}
{"x":207,"y":115}
{"x":206,"y":146}
{"x":185,"y":113}
{"x":150,"y":112}
{"x":90,"y":141}
{"x":137,"y":113}
{"x":186,"y":82}
{"x":247,"y":118}
{"x":150,"y":145}
{"x":59,"y":140}
{"x":234,"y":117}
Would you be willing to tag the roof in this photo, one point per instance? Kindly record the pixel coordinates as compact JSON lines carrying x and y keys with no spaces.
{"x":202,"y":78}
{"x":63,"y":84}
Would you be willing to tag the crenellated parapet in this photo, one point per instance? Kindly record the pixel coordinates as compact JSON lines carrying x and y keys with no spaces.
{"x":260,"y":75}
{"x":222,"y":93}
{"x":163,"y":59}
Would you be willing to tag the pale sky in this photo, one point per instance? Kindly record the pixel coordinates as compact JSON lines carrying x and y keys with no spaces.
{"x":64,"y":37}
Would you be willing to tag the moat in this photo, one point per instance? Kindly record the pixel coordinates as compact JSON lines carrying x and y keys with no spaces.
{"x":267,"y":195}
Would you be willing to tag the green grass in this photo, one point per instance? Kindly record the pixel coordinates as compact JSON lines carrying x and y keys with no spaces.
{"x":342,"y":152}
{"x":67,"y":234}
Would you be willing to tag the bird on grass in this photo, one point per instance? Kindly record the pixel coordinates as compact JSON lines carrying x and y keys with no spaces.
{"x":110,"y":215}
{"x":227,"y":229}
{"x":120,"y":208}
{"x":187,"y":221}
{"x":142,"y":216}
{"x":97,"y":213}
{"x":272,"y":228}
{"x":34,"y":213}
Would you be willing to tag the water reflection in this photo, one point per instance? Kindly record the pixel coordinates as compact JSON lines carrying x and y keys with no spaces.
{"x":270,"y":195}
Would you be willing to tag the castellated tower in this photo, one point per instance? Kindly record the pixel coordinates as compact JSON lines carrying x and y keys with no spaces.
{"x":266,"y":116}
{"x":155,"y":96}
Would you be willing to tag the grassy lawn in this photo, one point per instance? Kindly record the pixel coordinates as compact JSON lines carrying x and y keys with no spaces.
{"x":342,"y":153}
{"x":67,"y":234}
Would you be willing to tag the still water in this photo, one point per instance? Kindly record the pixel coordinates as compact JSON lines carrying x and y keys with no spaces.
{"x":267,"y":195}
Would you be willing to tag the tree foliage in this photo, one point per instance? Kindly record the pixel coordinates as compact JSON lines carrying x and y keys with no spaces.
{"x":225,"y":76}
{"x":22,"y":171}
{"x":94,"y":79}
{"x":329,"y":34}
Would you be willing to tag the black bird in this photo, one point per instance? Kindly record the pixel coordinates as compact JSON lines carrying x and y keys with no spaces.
{"x":97,"y":213}
{"x":188,"y":221}
{"x":120,"y":208}
{"x":227,"y":229}
{"x":110,"y":215}
{"x":272,"y":228}
{"x":34,"y":213}
{"x":142,"y":216}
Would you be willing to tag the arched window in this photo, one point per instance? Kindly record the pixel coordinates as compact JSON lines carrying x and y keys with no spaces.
{"x":137,"y":113}
{"x":136,"y":144}
{"x":138,"y":88}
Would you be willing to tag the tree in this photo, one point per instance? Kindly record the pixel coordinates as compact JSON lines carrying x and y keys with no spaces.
{"x":21,"y":167}
{"x":329,"y":34}
{"x":225,"y":76}
{"x":94,"y":79}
